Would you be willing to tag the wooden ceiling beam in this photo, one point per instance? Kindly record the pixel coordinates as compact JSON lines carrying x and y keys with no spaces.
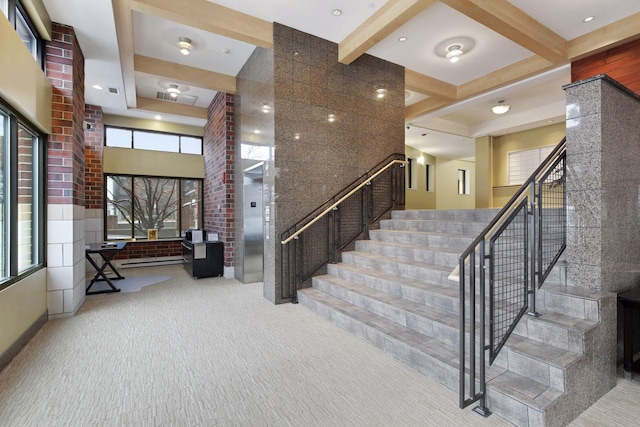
{"x":211,"y":17}
{"x":124,"y":34}
{"x":426,"y":85}
{"x":183,"y":73}
{"x":504,"y":76}
{"x":424,"y":106}
{"x":391,"y":16}
{"x":168,"y":107}
{"x":506,"y":19}
{"x":607,"y":37}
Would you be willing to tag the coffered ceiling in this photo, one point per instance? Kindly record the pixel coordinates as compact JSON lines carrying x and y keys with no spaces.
{"x":518,"y":51}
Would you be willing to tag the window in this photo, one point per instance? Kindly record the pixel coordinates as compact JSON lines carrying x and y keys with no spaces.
{"x":18,"y":17}
{"x":136,"y":204}
{"x":521,"y":164}
{"x":411,"y":173}
{"x":463,"y":182}
{"x":21,"y":197}
{"x":429,"y":177}
{"x":157,"y":141}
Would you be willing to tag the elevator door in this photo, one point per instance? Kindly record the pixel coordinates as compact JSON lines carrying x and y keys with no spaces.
{"x":253,"y":224}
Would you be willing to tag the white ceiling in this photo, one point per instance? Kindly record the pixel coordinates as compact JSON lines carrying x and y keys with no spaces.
{"x":447,"y":131}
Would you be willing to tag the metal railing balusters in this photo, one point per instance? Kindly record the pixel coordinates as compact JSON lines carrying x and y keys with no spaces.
{"x":517,"y":256}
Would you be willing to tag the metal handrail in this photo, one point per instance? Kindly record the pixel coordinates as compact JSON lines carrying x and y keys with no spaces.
{"x":521,"y":205}
{"x":341,"y":200}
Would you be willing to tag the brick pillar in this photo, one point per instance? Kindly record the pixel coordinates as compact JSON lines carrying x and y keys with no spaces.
{"x":218,"y":150}
{"x":93,"y":177}
{"x":65,"y":174}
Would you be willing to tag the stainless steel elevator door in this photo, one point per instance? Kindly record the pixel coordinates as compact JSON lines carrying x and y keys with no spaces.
{"x":253,"y":224}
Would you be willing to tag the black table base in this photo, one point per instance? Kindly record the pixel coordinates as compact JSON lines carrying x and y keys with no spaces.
{"x":106,"y":252}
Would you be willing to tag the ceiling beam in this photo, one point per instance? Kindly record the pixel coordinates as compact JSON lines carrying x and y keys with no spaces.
{"x":168,"y":107}
{"x":210,"y":17}
{"x":504,"y":76}
{"x":391,"y":16}
{"x":424,"y":106}
{"x":183,"y":73}
{"x":506,"y":19}
{"x":426,"y":85}
{"x":607,"y":37}
{"x":124,"y":34}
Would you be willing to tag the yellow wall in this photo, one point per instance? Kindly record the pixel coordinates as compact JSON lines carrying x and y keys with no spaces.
{"x":502,"y":145}
{"x":22,"y":83}
{"x":21,"y":304}
{"x":126,"y":161}
{"x":447,"y":196}
{"x":418,"y":197}
{"x":157,"y":125}
{"x":484,"y":166}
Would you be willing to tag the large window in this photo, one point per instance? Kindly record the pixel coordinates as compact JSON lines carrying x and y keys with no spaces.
{"x":21,"y":197}
{"x":137,"y":204}
{"x":18,"y":17}
{"x":147,"y":140}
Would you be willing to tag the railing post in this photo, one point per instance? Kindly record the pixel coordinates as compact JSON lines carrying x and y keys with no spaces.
{"x":482,"y":405}
{"x":334,"y":242}
{"x":533,"y":220}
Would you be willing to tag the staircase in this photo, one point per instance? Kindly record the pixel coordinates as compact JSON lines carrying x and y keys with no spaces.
{"x":394,"y":291}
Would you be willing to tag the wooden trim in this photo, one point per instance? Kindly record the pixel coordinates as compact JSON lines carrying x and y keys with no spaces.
{"x":124,"y":34}
{"x":428,"y":85}
{"x":183,"y":73}
{"x":607,"y":37}
{"x":383,"y":22}
{"x":210,"y":17}
{"x":167,"y":107}
{"x":506,"y":19}
{"x":424,"y":106}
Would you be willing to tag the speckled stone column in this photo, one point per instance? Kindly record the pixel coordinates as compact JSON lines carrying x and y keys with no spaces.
{"x":603,"y":182}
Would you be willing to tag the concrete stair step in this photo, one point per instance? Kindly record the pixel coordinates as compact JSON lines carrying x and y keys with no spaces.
{"x":429,"y":239}
{"x":415,"y":270}
{"x":446,"y":258}
{"x":509,"y":395}
{"x":448,"y":227}
{"x":581,"y":303}
{"x":481,"y":215}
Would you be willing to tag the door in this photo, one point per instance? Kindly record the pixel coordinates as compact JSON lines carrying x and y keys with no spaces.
{"x":253,"y":224}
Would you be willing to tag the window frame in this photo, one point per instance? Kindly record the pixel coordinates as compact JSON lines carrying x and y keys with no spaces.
{"x":14,"y":6}
{"x":133,"y":147}
{"x":11,"y":206}
{"x":179,"y":204}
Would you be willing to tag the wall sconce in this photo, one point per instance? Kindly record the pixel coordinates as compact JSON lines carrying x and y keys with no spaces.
{"x":184,"y":45}
{"x":331,"y":118}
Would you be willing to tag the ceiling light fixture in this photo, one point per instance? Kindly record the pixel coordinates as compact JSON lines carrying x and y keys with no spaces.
{"x":336,"y":12}
{"x":157,"y":117}
{"x":97,"y":87}
{"x":500,"y":107}
{"x":588,"y":19}
{"x":402,"y":39}
{"x":173,"y":90}
{"x":184,"y":45}
{"x":454,"y":52}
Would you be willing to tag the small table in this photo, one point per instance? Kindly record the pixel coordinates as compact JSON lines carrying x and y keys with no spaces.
{"x":106,"y":251}
{"x":630,"y":301}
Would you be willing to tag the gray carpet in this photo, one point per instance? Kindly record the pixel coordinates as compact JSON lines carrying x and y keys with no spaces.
{"x":128,"y":284}
{"x":214,"y":352}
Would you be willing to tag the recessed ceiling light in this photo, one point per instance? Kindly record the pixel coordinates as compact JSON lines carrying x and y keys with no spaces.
{"x":336,"y":12}
{"x":588,"y":19}
{"x":257,"y":131}
{"x":97,"y":86}
{"x":402,"y":39}
{"x":226,"y":51}
{"x":157,"y":117}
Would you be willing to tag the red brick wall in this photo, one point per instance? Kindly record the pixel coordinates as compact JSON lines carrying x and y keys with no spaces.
{"x":147,"y":249}
{"x":65,"y":150}
{"x":218,"y":150}
{"x":93,"y":143}
{"x":621,"y":63}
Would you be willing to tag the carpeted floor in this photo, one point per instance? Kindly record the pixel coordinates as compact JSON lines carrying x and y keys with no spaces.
{"x":214,"y":352}
{"x":128,"y":284}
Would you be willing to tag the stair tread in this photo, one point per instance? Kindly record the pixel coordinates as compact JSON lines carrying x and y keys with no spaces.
{"x":408,"y":245}
{"x":564,"y":321}
{"x":541,"y":351}
{"x":398,"y":260}
{"x":527,"y":390}
{"x":426,"y":233}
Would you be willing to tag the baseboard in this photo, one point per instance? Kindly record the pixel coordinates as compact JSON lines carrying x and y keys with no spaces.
{"x":19,"y":344}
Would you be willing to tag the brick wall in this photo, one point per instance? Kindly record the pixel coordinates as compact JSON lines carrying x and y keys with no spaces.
{"x":621,"y":63}
{"x":65,"y":151}
{"x":93,"y":143}
{"x":158,"y":248}
{"x":218,"y":150}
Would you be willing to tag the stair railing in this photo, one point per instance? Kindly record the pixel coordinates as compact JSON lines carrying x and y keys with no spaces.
{"x":319,"y":239}
{"x":515,"y":252}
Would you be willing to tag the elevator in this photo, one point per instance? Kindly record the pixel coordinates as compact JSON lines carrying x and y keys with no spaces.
{"x":253,"y":211}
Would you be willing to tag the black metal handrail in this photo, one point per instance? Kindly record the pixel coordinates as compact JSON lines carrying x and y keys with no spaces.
{"x":530,"y":227}
{"x":319,"y":238}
